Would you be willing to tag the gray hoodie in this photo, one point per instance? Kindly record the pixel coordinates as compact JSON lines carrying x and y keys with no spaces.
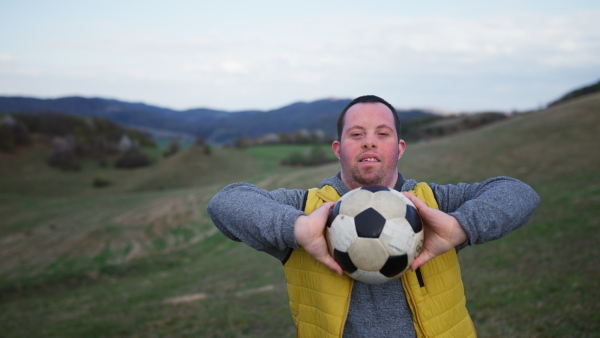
{"x":264,"y":220}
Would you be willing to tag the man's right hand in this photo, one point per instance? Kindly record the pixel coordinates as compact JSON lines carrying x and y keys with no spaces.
{"x":309,"y":231}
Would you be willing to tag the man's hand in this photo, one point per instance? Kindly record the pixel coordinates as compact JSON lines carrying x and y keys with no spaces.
{"x":310,"y":234}
{"x":442,"y":232}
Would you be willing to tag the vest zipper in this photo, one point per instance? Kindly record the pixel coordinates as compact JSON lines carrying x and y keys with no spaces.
{"x":420,"y":277}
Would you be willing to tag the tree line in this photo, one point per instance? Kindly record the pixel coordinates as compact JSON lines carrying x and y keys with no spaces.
{"x":72,"y":138}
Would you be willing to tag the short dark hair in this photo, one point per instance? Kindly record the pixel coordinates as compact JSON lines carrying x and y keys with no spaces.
{"x":366,"y":99}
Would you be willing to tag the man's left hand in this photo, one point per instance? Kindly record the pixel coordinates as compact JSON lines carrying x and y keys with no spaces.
{"x":443,"y":232}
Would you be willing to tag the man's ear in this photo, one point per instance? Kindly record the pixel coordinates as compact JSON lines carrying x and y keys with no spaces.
{"x":401,"y":148}
{"x":336,"y":146}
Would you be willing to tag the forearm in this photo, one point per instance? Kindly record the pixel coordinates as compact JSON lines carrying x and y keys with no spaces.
{"x":264,"y":220}
{"x":488,"y":210}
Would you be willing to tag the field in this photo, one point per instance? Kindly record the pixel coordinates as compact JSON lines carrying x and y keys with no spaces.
{"x":141,"y":257}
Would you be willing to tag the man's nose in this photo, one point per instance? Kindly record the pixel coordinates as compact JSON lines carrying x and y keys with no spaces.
{"x":369,"y":142}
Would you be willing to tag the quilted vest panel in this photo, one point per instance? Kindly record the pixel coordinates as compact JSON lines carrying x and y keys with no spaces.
{"x":320,"y":299}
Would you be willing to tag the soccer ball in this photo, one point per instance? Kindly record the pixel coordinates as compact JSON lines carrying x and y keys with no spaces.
{"x":374,"y":233}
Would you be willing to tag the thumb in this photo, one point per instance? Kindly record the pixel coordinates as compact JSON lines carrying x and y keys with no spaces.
{"x":419,"y":204}
{"x":421,"y":259}
{"x":325,"y":208}
{"x":329,"y":262}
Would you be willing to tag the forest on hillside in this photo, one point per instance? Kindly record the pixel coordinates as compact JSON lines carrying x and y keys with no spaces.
{"x":71,"y":138}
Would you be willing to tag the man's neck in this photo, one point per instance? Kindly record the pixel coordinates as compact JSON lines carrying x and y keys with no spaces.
{"x":396,"y":184}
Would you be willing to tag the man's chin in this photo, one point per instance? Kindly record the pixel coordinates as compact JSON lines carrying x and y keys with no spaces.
{"x":364,"y":180}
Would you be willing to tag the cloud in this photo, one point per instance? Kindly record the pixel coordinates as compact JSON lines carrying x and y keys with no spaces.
{"x":8,"y":65}
{"x":5,"y":57}
{"x":315,"y":56}
{"x":233,"y":67}
{"x":293,"y":50}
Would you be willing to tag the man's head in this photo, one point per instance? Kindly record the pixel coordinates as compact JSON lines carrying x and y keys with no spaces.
{"x":366,"y":99}
{"x":368,"y":144}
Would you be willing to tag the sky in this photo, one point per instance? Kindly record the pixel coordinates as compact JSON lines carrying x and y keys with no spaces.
{"x":458,"y":56}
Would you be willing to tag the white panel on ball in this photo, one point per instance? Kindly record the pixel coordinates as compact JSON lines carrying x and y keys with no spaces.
{"x":368,"y":254}
{"x":369,"y":277}
{"x":398,"y":236}
{"x":358,"y":202}
{"x":390,"y":204}
{"x":343,"y":233}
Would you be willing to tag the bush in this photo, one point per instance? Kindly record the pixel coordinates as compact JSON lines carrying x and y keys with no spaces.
{"x":313,"y":157}
{"x":132,"y":159}
{"x":12,"y":134}
{"x":100,"y":182}
{"x":295,"y":158}
{"x":63,"y":160}
{"x":174,"y":147}
{"x":7,"y":139}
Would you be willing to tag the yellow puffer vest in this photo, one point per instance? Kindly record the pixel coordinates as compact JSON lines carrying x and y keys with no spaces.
{"x":320,"y":299}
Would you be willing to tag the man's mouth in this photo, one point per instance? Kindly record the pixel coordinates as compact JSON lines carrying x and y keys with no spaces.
{"x":369,"y":159}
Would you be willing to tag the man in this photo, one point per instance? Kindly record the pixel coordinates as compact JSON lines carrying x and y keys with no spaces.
{"x":289,"y":225}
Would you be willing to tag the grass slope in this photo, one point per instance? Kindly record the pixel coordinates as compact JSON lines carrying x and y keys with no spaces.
{"x":541,"y":280}
{"x":132,"y":247}
{"x":135,"y":260}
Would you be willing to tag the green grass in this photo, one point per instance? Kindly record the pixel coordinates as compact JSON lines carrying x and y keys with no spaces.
{"x":548,"y":269}
{"x":541,"y":280}
{"x":141,"y":257}
{"x":131,"y":246}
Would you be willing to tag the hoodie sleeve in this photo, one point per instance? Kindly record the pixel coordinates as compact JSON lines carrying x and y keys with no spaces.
{"x":490,"y":209}
{"x":264,"y":220}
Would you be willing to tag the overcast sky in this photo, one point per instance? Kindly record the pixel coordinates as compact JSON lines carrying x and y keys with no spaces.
{"x":235,"y":55}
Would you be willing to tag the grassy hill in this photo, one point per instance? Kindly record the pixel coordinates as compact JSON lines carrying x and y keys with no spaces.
{"x":579,"y":92}
{"x":541,"y":280}
{"x":141,"y":257}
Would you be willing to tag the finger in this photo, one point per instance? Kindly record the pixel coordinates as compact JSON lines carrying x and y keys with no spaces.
{"x":416,"y":201}
{"x":328,"y":206}
{"x":325,"y":209}
{"x":332,"y":264}
{"x":423,"y":258}
{"x":321,"y":254}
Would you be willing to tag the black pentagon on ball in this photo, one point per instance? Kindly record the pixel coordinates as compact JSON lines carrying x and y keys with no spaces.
{"x":333,"y":214}
{"x":343,"y":259}
{"x":369,"y":223}
{"x":375,"y":188}
{"x":413,"y":218}
{"x":394,"y":265}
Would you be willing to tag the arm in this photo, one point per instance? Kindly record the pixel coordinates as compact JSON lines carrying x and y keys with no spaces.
{"x":264,"y":220}
{"x":471,"y":214}
{"x":490,"y":209}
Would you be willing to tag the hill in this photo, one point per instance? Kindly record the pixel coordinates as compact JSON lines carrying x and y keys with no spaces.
{"x":214,"y":125}
{"x":545,"y":264}
{"x":586,"y":90}
{"x":136,"y":260}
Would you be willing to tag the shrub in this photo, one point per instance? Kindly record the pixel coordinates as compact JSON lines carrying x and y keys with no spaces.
{"x":132,"y":159}
{"x":100,"y":182}
{"x":313,"y":157}
{"x":63,"y":160}
{"x":7,"y":139}
{"x":13,"y":133}
{"x":295,"y":158}
{"x":174,"y":147}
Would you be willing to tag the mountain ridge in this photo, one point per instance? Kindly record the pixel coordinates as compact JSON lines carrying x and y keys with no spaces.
{"x":216,"y":126}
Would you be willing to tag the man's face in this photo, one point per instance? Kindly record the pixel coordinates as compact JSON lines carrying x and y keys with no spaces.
{"x":369,"y":148}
